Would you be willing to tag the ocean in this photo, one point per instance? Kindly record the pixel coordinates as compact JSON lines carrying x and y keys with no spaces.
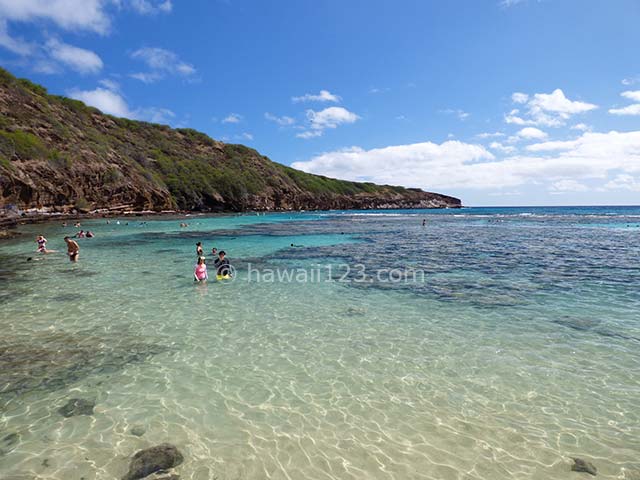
{"x":491,"y":343}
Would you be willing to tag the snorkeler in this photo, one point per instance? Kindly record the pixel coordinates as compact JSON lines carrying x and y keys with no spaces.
{"x":73,"y":249}
{"x":222,"y":264}
{"x":200,"y":273}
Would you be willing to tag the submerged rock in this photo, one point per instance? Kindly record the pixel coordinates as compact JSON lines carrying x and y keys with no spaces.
{"x":154,"y":459}
{"x":77,"y":406}
{"x":581,"y":465}
{"x":138,"y":430}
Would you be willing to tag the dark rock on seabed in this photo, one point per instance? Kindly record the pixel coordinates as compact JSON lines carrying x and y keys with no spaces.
{"x":8,"y":443}
{"x":138,"y":430}
{"x":581,"y":465}
{"x":154,"y":459}
{"x":77,"y":406}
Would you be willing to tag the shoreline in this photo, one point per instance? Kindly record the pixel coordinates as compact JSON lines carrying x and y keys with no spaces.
{"x":8,"y":224}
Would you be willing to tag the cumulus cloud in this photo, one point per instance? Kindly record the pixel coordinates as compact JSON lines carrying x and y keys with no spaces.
{"x":531,"y":133}
{"x":330,"y":117}
{"x":323,"y":96}
{"x":583,"y":127}
{"x":104,"y":100}
{"x":88,"y":15}
{"x":108,"y":99}
{"x":502,"y":148}
{"x":232,"y":118}
{"x":547,"y":109}
{"x":519,"y":97}
{"x":283,"y":121}
{"x":454,"y":164}
{"x":79,"y":59}
{"x":633,"y":109}
{"x":161,"y":62}
{"x":628,"y":110}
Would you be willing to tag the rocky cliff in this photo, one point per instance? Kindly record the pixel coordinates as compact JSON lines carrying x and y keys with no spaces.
{"x":57,"y":154}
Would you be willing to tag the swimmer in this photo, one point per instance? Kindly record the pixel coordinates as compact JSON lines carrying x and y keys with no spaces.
{"x":90,"y":234}
{"x":424,"y":222}
{"x":73,"y":249}
{"x":77,"y":224}
{"x":80,"y":234}
{"x":199,"y":250}
{"x":200,"y":273}
{"x":214,"y":251}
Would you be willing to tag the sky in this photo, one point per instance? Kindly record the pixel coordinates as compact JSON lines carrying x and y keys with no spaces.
{"x":497,"y":102}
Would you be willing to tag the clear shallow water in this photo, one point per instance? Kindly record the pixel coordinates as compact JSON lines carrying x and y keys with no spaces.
{"x":516,"y":348}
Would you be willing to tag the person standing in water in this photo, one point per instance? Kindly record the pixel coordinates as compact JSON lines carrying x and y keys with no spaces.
{"x":199,"y":250}
{"x":222,"y":264}
{"x":200,"y":273}
{"x":424,"y":222}
{"x":73,"y":249}
{"x":42,"y":244}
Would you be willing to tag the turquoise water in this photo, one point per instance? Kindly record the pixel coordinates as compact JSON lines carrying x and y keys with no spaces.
{"x":494,"y":343}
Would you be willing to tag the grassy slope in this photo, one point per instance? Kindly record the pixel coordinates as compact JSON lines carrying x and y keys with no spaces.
{"x":115,"y":159}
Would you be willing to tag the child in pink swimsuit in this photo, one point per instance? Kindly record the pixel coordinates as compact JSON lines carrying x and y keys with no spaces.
{"x":200,"y":273}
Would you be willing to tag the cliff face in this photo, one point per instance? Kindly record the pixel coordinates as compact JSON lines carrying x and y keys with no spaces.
{"x":57,"y":154}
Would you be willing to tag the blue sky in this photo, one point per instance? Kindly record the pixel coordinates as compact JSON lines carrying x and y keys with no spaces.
{"x":497,"y":102}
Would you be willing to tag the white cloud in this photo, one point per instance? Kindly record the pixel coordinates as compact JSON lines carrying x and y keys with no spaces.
{"x":146,"y":7}
{"x":454,"y":164}
{"x":108,"y":99}
{"x":79,"y":59}
{"x":583,"y":127}
{"x":232,"y":118}
{"x":519,"y":97}
{"x":283,"y":121}
{"x":631,"y":80}
{"x":623,"y":182}
{"x":632,"y":95}
{"x":531,"y":133}
{"x":548,"y":109}
{"x":309,"y":134}
{"x":68,"y":14}
{"x":502,"y":148}
{"x":552,"y":146}
{"x":104,"y":100}
{"x":155,"y":115}
{"x":323,"y":96}
{"x":633,"y":109}
{"x":18,"y":46}
{"x":330,"y":117}
{"x":567,"y":185}
{"x":161,"y":62}
{"x":246,"y":136}
{"x":490,"y":135}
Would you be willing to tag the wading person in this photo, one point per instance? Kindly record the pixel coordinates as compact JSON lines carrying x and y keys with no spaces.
{"x":73,"y":249}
